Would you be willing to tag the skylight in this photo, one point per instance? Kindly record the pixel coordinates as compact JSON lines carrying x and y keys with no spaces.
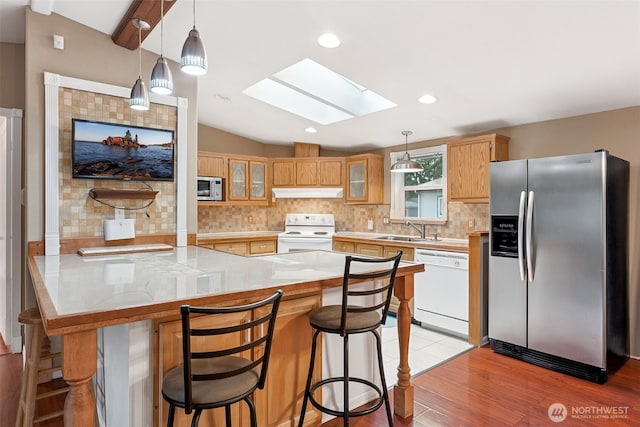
{"x":317,"y":93}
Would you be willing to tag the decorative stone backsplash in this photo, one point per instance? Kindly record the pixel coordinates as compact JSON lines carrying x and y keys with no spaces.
{"x":348,"y":217}
{"x":79,"y":214}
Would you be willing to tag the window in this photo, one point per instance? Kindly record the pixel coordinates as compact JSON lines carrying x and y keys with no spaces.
{"x":421,"y":195}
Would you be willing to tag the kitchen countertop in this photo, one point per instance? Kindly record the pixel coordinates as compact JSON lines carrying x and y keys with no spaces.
{"x":77,"y":295}
{"x":237,"y":234}
{"x":443,"y":244}
{"x":71,"y":286}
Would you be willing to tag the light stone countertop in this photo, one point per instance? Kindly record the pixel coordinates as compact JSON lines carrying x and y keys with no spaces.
{"x":450,"y":244}
{"x":239,"y":234}
{"x":76,"y":284}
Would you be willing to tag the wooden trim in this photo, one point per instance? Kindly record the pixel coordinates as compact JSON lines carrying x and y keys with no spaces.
{"x":305,"y":149}
{"x":476,"y":287}
{"x":35,"y":248}
{"x":71,"y":246}
{"x":480,"y":138}
{"x":126,"y":35}
{"x":110,"y":193}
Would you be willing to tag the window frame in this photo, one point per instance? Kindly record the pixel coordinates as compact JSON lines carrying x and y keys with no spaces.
{"x":398,"y":189}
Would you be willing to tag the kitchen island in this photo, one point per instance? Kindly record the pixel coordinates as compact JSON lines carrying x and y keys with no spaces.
{"x":78,"y":295}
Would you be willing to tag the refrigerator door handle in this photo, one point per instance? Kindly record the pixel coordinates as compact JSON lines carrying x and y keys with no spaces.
{"x":529,"y":250}
{"x":521,"y":235}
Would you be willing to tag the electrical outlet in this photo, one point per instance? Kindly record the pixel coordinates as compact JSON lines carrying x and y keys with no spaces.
{"x":370,"y":225}
{"x":385,"y":220}
{"x":119,"y":213}
{"x":471,"y":226}
{"x":250,"y":219}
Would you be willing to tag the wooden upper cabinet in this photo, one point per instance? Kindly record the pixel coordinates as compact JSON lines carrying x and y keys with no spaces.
{"x":257,"y":180}
{"x":247,"y":180}
{"x":307,"y":173}
{"x":364,"y":179}
{"x":238,"y":186}
{"x":468,"y":166}
{"x":330,"y":172}
{"x":211,"y":164}
{"x":283,"y":172}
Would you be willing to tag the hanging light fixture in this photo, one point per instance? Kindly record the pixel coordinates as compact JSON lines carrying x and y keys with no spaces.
{"x":161,"y":78}
{"x":405,"y":164}
{"x":139,"y":99}
{"x":194,"y":58}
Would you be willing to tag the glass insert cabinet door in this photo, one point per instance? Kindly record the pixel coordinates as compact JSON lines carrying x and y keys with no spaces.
{"x":238,"y":173}
{"x":357,"y":179}
{"x":258,"y":179}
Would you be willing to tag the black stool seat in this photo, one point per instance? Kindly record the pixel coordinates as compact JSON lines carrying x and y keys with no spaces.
{"x":328,"y":319}
{"x":349,"y":318}
{"x":205,"y":392}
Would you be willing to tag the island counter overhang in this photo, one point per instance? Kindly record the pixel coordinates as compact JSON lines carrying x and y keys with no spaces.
{"x":77,"y":295}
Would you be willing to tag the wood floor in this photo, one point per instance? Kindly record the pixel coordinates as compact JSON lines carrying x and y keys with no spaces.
{"x":478,"y":388}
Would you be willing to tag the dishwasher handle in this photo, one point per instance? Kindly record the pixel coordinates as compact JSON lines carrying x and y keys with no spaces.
{"x":442,"y":258}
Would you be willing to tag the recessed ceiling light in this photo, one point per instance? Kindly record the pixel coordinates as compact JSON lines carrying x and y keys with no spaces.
{"x":329,"y":41}
{"x":427,"y":99}
{"x":311,"y":130}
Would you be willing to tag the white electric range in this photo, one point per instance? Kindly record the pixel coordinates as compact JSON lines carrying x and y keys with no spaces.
{"x":304,"y":232}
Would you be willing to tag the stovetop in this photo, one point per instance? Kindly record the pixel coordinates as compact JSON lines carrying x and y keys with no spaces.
{"x":309,"y":225}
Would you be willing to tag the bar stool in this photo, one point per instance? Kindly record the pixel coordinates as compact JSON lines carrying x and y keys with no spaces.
{"x":209,"y":378}
{"x":355,"y":316}
{"x":37,"y":350}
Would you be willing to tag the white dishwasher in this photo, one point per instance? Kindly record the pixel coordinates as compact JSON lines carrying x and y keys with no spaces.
{"x":441,"y":292}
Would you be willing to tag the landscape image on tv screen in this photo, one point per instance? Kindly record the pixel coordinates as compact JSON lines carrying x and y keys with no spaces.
{"x":115,"y":151}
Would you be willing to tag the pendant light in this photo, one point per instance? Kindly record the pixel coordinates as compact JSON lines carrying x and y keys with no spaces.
{"x":405,"y":164}
{"x":139,"y":99}
{"x":161,"y":78}
{"x":194,"y":58}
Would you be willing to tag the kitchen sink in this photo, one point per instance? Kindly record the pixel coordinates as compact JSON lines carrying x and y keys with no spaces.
{"x":402,"y":238}
{"x":431,"y":240}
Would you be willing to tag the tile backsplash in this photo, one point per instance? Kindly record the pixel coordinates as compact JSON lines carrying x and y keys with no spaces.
{"x":80,"y":216}
{"x":218,"y":219}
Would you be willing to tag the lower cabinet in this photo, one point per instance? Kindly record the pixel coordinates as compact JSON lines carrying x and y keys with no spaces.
{"x":340,"y":246}
{"x":259,"y":246}
{"x":369,"y":249}
{"x":279,"y":403}
{"x":238,"y":248}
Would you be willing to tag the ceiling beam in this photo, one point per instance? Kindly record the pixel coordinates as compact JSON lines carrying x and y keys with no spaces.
{"x":126,"y":35}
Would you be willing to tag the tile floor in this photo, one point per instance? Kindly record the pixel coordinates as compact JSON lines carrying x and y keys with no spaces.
{"x":427,"y":349}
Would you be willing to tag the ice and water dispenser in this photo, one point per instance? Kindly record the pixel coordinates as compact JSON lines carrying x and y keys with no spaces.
{"x":504,"y":236}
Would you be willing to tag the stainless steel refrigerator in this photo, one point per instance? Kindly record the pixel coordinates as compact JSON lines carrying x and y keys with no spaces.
{"x":558,"y":262}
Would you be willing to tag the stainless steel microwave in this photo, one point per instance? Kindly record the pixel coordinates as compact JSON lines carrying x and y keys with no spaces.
{"x":209,"y":188}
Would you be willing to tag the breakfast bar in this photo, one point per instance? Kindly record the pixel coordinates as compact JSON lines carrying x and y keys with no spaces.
{"x":77,"y":295}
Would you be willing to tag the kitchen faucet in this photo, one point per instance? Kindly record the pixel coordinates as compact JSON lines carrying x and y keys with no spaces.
{"x":419,"y":228}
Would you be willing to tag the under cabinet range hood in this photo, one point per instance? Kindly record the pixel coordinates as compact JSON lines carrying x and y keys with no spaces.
{"x":307,"y":192}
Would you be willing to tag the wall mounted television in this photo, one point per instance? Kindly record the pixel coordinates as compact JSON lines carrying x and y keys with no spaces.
{"x":115,"y":151}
